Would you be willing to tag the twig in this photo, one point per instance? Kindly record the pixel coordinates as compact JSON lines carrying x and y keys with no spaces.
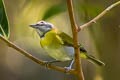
{"x":74,"y":27}
{"x":28,"y":55}
{"x":99,"y":16}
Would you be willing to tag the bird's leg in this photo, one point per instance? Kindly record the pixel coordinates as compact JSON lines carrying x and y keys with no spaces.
{"x":70,"y":66}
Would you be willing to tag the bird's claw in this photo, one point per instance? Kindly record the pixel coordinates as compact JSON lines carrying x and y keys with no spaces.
{"x":67,"y":69}
{"x":50,"y":62}
{"x":47,"y":63}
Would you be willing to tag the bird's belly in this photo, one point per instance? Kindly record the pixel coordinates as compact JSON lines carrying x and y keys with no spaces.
{"x":61,"y":53}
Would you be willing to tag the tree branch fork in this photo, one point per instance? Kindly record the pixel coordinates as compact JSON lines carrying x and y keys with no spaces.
{"x":75,"y":29}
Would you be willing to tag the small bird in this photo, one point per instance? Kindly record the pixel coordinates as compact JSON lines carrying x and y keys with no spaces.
{"x":59,"y":45}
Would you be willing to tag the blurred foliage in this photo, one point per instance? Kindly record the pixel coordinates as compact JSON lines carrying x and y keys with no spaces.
{"x":4,"y":27}
{"x":54,"y":10}
{"x":92,"y":10}
{"x":100,"y":39}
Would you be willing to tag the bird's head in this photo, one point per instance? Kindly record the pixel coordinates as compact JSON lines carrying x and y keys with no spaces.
{"x":42,"y":27}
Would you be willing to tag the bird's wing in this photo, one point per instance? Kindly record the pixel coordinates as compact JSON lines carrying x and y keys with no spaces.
{"x":67,"y":40}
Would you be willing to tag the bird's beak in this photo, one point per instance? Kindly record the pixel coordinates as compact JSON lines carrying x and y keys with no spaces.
{"x":33,"y":25}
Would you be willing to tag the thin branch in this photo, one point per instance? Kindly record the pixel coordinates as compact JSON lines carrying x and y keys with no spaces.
{"x":74,"y":27}
{"x":28,"y":55}
{"x":99,"y":16}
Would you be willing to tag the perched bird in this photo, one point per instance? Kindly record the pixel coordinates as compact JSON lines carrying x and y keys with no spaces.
{"x":58,"y":44}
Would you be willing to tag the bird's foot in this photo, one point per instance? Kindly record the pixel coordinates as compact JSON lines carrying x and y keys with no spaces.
{"x":50,"y":62}
{"x":47,"y":63}
{"x":67,"y":69}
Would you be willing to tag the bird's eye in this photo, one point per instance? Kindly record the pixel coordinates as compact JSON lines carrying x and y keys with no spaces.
{"x":37,"y":24}
{"x":41,"y":22}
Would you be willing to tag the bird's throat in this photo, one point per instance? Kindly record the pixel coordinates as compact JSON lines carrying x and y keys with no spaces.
{"x":41,"y":34}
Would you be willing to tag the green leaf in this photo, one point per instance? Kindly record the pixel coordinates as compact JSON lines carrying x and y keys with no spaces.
{"x":54,"y":10}
{"x":4,"y":26}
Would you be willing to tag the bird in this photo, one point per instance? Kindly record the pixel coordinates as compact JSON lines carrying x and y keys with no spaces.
{"x":59,"y":45}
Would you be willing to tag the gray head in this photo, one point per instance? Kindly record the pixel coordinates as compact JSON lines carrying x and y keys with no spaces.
{"x":42,"y":27}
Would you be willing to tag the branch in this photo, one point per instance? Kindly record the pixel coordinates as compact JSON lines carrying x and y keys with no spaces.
{"x":74,"y":27}
{"x":28,"y":55}
{"x":99,"y":16}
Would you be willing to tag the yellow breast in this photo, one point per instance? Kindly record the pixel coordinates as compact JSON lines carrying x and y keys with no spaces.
{"x":51,"y":39}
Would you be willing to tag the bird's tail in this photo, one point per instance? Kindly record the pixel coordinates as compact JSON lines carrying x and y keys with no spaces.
{"x":94,"y":60}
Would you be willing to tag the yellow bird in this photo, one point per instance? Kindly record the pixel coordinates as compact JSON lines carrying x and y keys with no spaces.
{"x":59,"y":45}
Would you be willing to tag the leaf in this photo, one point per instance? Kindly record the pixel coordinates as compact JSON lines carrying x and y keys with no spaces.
{"x":54,"y":10}
{"x":4,"y":26}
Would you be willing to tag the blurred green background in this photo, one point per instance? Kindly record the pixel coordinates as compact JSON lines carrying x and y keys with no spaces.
{"x":101,"y":39}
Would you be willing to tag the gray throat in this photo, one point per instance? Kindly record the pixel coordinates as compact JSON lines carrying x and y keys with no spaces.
{"x":42,"y":34}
